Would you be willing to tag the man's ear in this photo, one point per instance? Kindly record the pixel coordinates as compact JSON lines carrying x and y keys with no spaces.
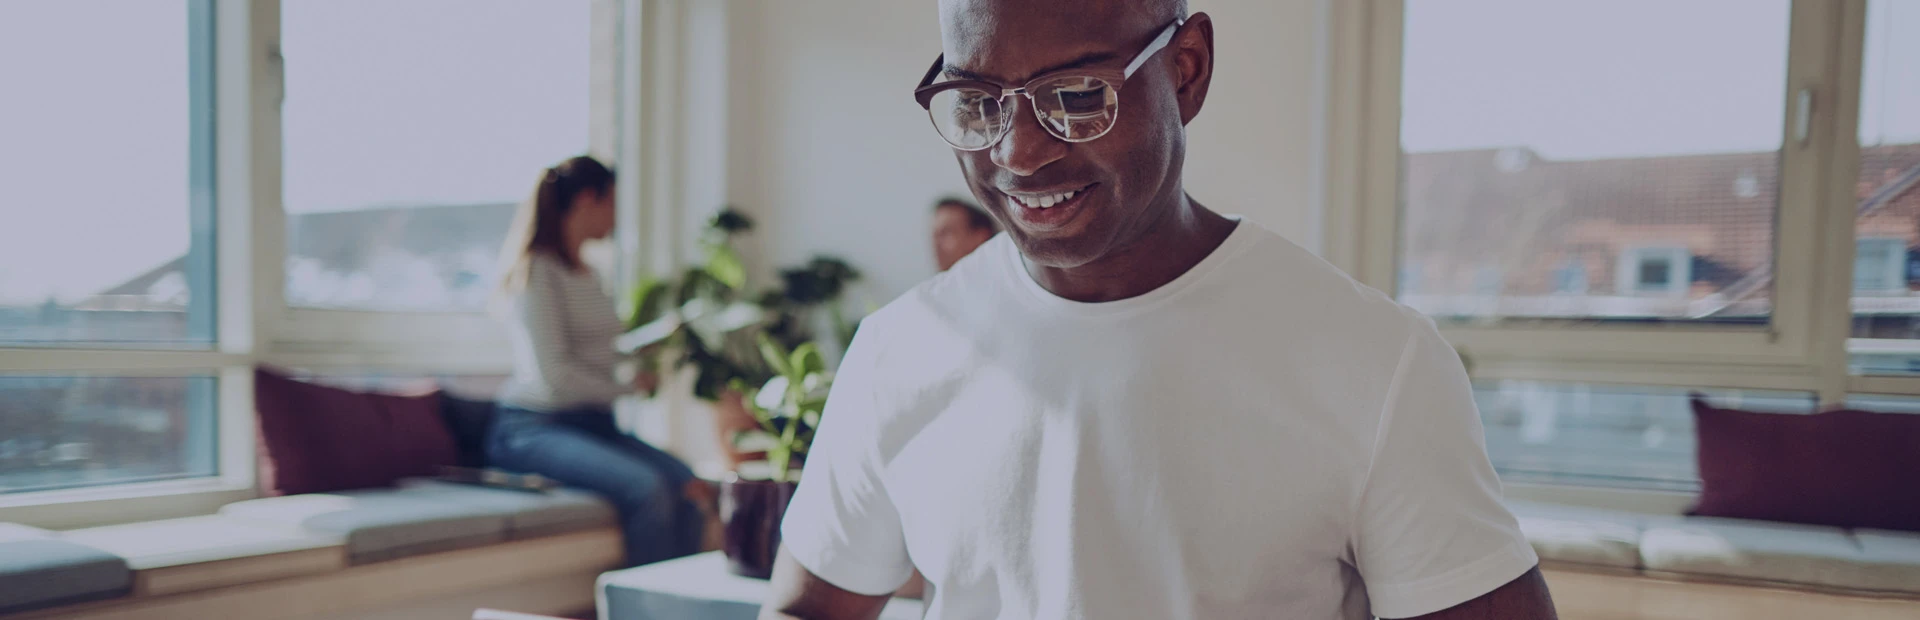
{"x":1193,"y":56}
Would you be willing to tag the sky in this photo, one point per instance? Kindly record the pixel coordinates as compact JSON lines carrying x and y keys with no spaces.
{"x":1625,"y":78}
{"x":389,"y":102}
{"x":407,"y":102}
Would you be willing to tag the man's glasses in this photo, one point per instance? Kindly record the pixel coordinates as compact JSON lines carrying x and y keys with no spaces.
{"x":1076,"y":105}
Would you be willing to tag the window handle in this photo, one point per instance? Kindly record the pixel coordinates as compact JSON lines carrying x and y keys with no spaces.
{"x":1803,"y":116}
{"x":278,"y":65}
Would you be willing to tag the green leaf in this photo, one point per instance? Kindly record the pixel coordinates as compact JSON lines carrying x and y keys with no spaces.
{"x":650,"y":334}
{"x":649,"y":302}
{"x":782,"y":454}
{"x":775,"y":355}
{"x":725,"y":266}
{"x":771,"y":395}
{"x":807,"y":360}
{"x":730,"y":221}
{"x":737,"y":316}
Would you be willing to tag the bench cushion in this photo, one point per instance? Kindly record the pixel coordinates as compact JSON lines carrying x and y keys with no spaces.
{"x":38,"y":570}
{"x":320,"y":439}
{"x":529,"y":514}
{"x":1845,"y":468}
{"x":1580,"y":535}
{"x":1757,"y":551}
{"x":381,"y":524}
{"x":1893,"y":560}
{"x":179,"y":555}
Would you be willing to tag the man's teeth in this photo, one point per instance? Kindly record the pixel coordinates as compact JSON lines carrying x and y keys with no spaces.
{"x":1042,"y":202}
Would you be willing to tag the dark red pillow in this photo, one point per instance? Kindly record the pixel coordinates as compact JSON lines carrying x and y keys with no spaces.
{"x":1841,"y":468}
{"x":315,"y":438}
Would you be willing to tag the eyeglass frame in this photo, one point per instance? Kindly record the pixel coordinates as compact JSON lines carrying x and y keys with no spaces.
{"x":1114,"y":79}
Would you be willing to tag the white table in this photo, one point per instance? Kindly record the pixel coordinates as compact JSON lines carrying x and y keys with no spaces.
{"x":698,"y":588}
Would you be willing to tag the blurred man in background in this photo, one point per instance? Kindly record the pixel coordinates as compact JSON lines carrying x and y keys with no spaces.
{"x":958,"y":228}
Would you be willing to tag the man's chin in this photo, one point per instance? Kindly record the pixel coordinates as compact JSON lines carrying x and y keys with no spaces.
{"x":1057,"y":251}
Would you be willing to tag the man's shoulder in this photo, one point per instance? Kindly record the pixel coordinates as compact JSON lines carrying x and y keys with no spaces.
{"x":1272,"y":265}
{"x":1279,"y":294}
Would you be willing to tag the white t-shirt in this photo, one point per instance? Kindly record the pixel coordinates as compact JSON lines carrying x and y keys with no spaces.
{"x":1260,"y":438}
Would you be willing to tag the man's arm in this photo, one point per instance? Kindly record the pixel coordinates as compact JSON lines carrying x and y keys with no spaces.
{"x":1524,"y":598}
{"x":799,"y":595}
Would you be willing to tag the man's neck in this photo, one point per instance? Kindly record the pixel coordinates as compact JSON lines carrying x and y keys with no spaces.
{"x":1186,"y":234}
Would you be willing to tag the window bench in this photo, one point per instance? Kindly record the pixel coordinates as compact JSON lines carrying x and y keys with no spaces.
{"x":422,"y":546}
{"x":1615,"y":564}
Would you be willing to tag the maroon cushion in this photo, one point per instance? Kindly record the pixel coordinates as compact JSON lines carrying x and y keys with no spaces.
{"x":316,"y":439}
{"x":1840,"y":468}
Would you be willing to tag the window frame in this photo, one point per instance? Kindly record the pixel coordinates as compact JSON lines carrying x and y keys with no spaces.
{"x":239,"y":214}
{"x":1802,"y":347}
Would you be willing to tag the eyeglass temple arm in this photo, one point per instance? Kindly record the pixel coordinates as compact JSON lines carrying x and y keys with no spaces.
{"x":1159,"y":42}
{"x":1166,"y":36}
{"x":939,"y":62}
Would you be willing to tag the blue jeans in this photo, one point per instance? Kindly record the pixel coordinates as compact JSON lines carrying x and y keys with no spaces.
{"x":583,"y":448}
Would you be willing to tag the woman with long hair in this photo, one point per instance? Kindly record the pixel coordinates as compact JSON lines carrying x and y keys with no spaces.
{"x":556,"y":416}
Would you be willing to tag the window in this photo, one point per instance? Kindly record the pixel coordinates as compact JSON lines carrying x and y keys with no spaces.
{"x":410,"y":139}
{"x":107,"y":162}
{"x":1661,"y":271}
{"x":1664,"y":189}
{"x":1579,"y":433}
{"x":136,"y":296}
{"x":1531,"y":131}
{"x":1886,"y":197}
{"x":61,"y":432}
{"x":1571,"y":277}
{"x":1880,"y":265}
{"x":107,"y":244}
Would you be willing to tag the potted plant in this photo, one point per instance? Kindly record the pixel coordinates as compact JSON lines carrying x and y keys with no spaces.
{"x":707,"y":321}
{"x":787,"y":409}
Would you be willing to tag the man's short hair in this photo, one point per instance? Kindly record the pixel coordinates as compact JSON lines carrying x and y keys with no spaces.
{"x":976,"y":217}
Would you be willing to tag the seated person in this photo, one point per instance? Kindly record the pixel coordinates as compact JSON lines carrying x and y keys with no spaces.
{"x":556,"y":414}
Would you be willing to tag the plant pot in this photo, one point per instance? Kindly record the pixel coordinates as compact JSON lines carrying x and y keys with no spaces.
{"x":751,"y":511}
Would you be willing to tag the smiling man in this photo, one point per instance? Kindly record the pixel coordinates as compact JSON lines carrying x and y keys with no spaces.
{"x":1128,"y":405}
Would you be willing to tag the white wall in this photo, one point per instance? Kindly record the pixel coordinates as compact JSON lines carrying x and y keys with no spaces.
{"x":827,"y":149}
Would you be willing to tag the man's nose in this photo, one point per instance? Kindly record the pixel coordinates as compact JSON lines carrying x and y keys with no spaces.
{"x":1027,"y":147}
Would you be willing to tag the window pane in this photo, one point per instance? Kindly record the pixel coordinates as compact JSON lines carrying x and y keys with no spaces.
{"x":1887,"y":195}
{"x":412,"y":129}
{"x":104,"y":135}
{"x":62,"y":432}
{"x":1548,"y":142}
{"x":1565,"y":433}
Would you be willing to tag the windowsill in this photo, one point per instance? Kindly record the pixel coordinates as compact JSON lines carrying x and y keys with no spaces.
{"x":116,"y":504}
{"x":1648,"y":501}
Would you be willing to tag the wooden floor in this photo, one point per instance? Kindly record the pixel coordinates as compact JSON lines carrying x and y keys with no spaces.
{"x":1595,"y":596}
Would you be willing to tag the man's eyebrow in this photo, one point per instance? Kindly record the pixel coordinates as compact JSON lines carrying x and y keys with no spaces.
{"x":1093,"y":58}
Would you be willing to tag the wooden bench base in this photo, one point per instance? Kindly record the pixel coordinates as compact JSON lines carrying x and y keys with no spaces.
{"x":1583,"y":595}
{"x":543,"y":575}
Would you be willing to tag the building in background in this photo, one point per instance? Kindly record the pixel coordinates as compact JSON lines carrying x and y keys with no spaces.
{"x":1499,"y":233}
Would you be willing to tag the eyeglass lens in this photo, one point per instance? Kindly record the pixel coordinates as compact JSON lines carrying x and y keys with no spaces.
{"x":1072,"y":108}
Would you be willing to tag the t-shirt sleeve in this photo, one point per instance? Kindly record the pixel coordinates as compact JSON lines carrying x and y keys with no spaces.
{"x":1430,"y":531}
{"x":842,"y":525}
